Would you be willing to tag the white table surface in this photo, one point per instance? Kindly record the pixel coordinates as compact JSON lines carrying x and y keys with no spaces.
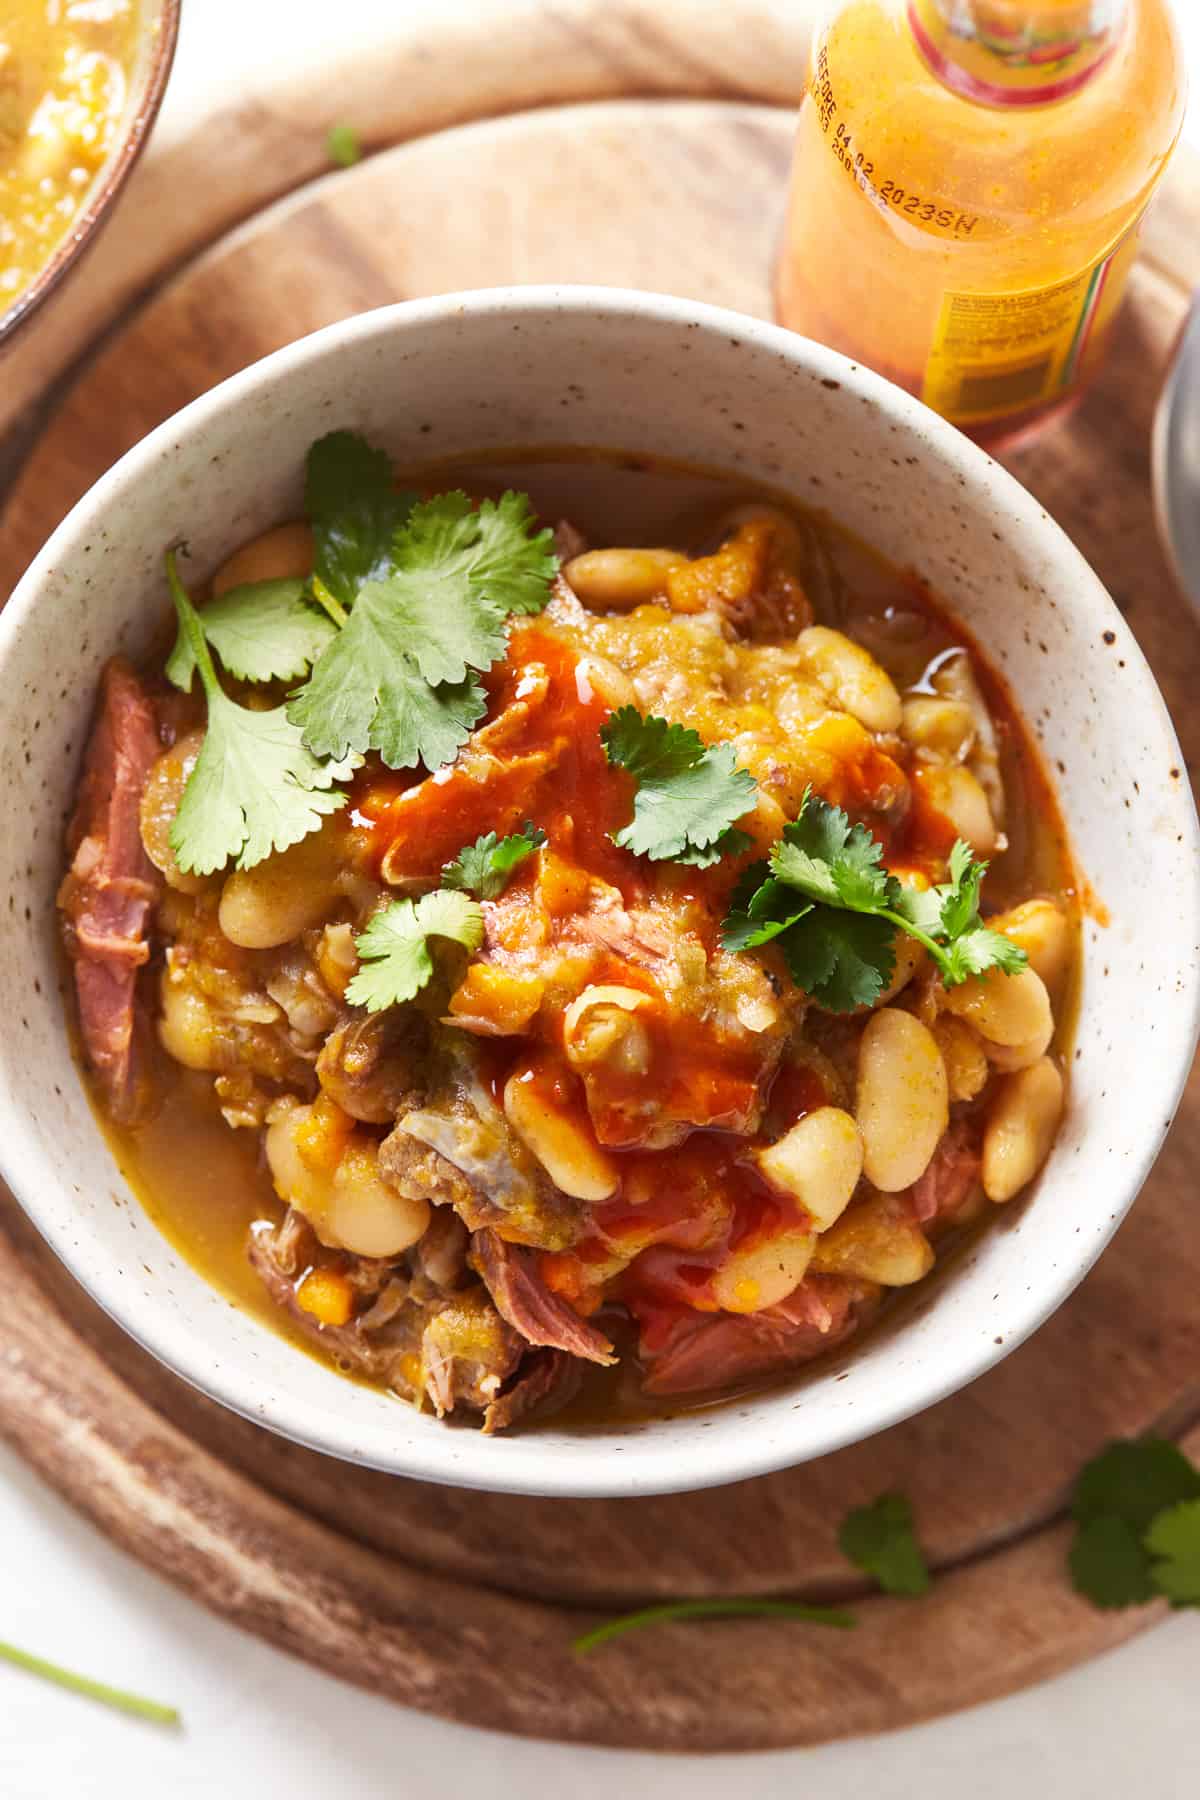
{"x":258,"y":1724}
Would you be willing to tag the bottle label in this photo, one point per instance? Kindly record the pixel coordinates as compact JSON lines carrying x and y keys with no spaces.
{"x":995,"y":355}
{"x":1000,"y":56}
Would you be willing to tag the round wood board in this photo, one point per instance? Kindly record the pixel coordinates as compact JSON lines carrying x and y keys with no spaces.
{"x":465,"y":1604}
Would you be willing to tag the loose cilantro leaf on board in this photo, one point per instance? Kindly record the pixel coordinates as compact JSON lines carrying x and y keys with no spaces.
{"x":1174,"y":1542}
{"x":1135,"y":1480}
{"x":485,"y":867}
{"x":341,"y":142}
{"x":400,"y":677}
{"x":262,"y":631}
{"x":394,"y":949}
{"x":880,"y":1539}
{"x":675,"y":1611}
{"x":255,"y":787}
{"x":688,"y":795}
{"x":1119,"y":1499}
{"x":1109,"y":1565}
{"x":352,"y":504}
{"x":839,"y":943}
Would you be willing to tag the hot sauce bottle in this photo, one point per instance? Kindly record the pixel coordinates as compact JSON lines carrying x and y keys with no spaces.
{"x":969,"y":181}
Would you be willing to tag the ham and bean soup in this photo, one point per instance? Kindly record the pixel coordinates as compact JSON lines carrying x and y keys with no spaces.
{"x":566,"y":933}
{"x":64,"y":73}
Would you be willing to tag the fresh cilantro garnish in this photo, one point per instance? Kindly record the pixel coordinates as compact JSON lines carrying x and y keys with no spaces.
{"x":394,"y":948}
{"x":688,"y":794}
{"x":834,"y":910}
{"x":262,"y":631}
{"x":1174,"y":1541}
{"x":880,"y":1539}
{"x":116,"y":1698}
{"x":1109,"y":1564}
{"x":484,"y":867}
{"x":341,"y":141}
{"x":355,"y":511}
{"x":675,"y":1610}
{"x":400,"y":675}
{"x":255,"y":787}
{"x":1121,"y":1499}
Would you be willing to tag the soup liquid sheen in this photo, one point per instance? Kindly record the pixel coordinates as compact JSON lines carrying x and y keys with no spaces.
{"x":969,"y":182}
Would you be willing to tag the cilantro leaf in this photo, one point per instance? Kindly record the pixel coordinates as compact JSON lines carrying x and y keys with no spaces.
{"x":688,"y":794}
{"x":255,"y":787}
{"x":1135,"y":1480}
{"x":1174,"y":1539}
{"x":880,"y":1540}
{"x":730,"y":843}
{"x":456,"y":575}
{"x":366,"y":692}
{"x":351,"y":500}
{"x":841,"y":960}
{"x":1108,"y":1563}
{"x":485,"y":866}
{"x":394,"y":949}
{"x":262,"y":631}
{"x":825,"y":857}
{"x":840,"y":946}
{"x":428,"y":612}
{"x":1119,"y":1498}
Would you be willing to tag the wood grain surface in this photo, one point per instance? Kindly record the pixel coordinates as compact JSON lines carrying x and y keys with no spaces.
{"x":466,"y":1603}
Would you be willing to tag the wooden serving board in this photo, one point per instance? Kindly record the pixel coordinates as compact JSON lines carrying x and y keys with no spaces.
{"x":465,"y":1603}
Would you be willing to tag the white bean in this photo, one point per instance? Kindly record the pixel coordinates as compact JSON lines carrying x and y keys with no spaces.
{"x":351,"y":1206}
{"x":850,"y":677}
{"x":760,"y":1277}
{"x":276,"y":900}
{"x":955,"y":793}
{"x":565,"y":1146}
{"x":1043,"y":931}
{"x":273,"y":556}
{"x":188,"y":1028}
{"x":903,"y":1100}
{"x":618,"y":580}
{"x":1005,"y":1009}
{"x":878,"y":1240}
{"x":941,"y":729}
{"x":1021,"y":1128}
{"x":966,"y":1061}
{"x":818,"y":1162}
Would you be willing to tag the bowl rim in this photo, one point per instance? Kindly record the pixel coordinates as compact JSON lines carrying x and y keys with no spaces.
{"x":523,"y":1465}
{"x":109,"y":182}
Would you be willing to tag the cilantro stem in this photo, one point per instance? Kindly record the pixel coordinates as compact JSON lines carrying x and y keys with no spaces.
{"x":914,"y":931}
{"x":91,"y":1690}
{"x":711,"y":1609}
{"x":193,"y":630}
{"x":323,"y":597}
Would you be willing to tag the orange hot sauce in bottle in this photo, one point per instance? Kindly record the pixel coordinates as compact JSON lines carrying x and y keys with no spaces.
{"x":968,"y":184}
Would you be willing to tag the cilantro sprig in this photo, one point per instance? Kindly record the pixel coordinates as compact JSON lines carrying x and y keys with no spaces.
{"x":688,"y":793}
{"x":255,"y":786}
{"x":881,"y":1540}
{"x":485,"y":867}
{"x":1137,"y":1514}
{"x":394,"y":950}
{"x":833,"y":909}
{"x":427,"y":614}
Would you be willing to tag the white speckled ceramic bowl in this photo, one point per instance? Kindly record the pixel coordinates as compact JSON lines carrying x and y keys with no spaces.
{"x":645,"y":374}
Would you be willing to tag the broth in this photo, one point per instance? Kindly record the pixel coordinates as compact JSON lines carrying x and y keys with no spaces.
{"x":205,"y":1185}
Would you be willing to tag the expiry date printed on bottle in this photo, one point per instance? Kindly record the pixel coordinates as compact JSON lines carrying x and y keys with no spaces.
{"x":883,"y":191}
